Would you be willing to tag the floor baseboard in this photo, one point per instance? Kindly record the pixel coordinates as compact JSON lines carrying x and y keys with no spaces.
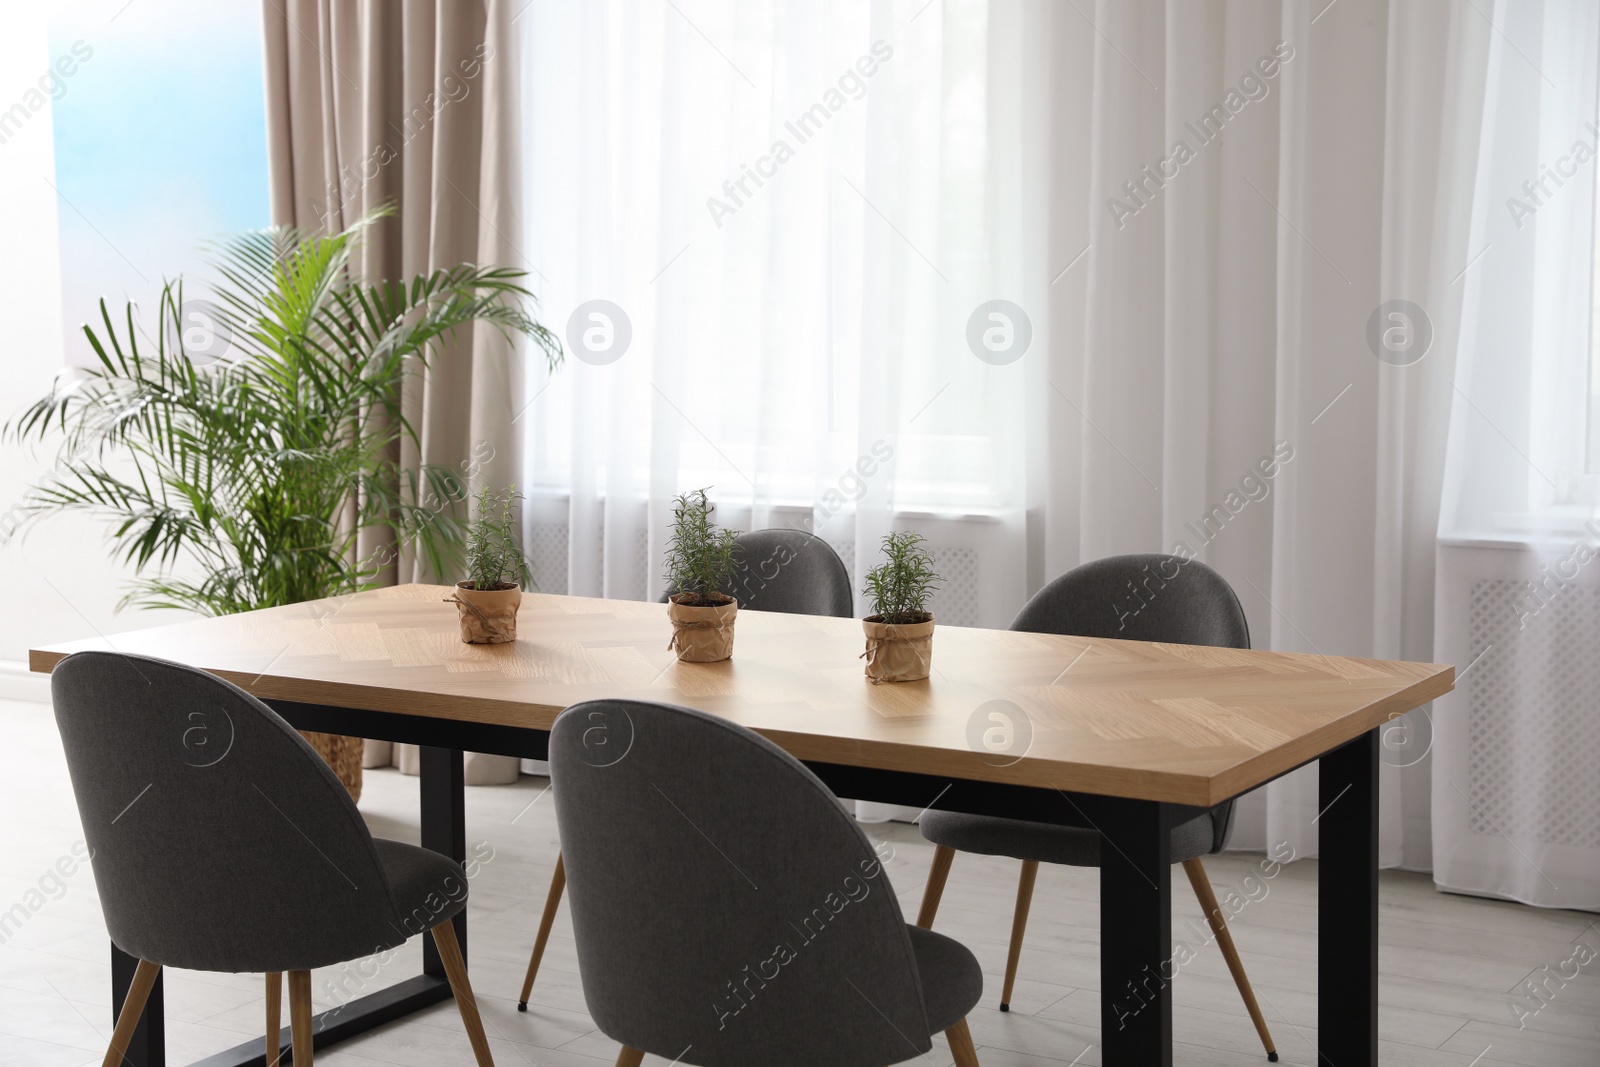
{"x":19,"y":683}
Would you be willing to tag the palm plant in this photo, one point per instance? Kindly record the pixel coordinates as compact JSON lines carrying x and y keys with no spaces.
{"x":263,"y":470}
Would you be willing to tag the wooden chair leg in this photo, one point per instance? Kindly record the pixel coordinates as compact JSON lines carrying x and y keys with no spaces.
{"x":1219,"y":926}
{"x":300,"y":1017}
{"x":629,"y":1057}
{"x":961,"y":1047}
{"x":1019,"y":924}
{"x":144,"y":980}
{"x":274,"y":1017}
{"x":552,"y":901}
{"x":937,"y":874}
{"x":455,"y":968}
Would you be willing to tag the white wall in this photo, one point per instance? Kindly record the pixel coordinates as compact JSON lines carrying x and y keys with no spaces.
{"x":58,"y":581}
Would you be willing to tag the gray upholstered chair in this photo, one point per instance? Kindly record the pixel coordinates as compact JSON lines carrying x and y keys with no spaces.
{"x":777,"y":570}
{"x":221,"y":842}
{"x":729,"y":912}
{"x":1134,"y":598}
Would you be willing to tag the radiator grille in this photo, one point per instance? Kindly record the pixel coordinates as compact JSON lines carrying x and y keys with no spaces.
{"x":1533,"y":694}
{"x":956,"y":602}
{"x":547,"y":556}
{"x":847,"y":553}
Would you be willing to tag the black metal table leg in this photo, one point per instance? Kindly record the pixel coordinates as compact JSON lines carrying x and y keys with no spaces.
{"x":344,"y":1022}
{"x":148,"y":1046}
{"x":444,"y":829}
{"x":1136,"y":934}
{"x":1347,"y":906}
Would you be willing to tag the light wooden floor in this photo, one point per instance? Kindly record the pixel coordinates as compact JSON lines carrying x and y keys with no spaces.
{"x":1449,"y":963}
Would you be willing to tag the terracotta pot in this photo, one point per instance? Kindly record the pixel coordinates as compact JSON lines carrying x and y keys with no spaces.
{"x":898,"y":652}
{"x":488,"y":616}
{"x":702,"y":635}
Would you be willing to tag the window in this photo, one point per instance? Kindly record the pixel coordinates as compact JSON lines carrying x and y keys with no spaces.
{"x":148,"y":165}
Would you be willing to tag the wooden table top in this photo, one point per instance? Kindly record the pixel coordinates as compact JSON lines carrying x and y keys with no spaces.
{"x":1177,"y":723}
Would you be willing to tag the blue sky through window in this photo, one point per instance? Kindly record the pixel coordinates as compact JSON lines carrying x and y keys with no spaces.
{"x":160,"y":144}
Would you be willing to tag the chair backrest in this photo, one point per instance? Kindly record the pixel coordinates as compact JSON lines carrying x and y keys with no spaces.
{"x":1150,"y":597}
{"x":727,"y":910}
{"x":792,"y":571}
{"x":220,"y":841}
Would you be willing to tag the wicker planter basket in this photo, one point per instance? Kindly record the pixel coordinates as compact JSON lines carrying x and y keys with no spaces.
{"x":343,"y":754}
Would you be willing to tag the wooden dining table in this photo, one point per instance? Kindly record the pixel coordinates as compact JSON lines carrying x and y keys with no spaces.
{"x":1127,"y":738}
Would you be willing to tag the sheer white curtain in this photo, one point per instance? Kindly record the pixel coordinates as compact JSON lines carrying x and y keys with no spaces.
{"x":1518,"y":446}
{"x":1197,"y":316}
{"x":790,"y":210}
{"x":1226,"y":322}
{"x":1516,"y":801}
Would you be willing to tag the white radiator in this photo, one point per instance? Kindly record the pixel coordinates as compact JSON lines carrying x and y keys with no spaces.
{"x":1516,"y":774}
{"x":982,"y":584}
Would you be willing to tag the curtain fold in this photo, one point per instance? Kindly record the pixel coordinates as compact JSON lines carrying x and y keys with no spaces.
{"x":415,"y":104}
{"x":1433,"y":113}
{"x":1263,"y":179}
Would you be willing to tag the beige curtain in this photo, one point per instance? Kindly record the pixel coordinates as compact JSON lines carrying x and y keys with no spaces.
{"x":414,"y":103}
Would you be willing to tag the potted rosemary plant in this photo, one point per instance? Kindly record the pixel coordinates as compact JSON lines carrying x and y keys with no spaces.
{"x":700,"y":561}
{"x":496,"y":571}
{"x":900,"y":628}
